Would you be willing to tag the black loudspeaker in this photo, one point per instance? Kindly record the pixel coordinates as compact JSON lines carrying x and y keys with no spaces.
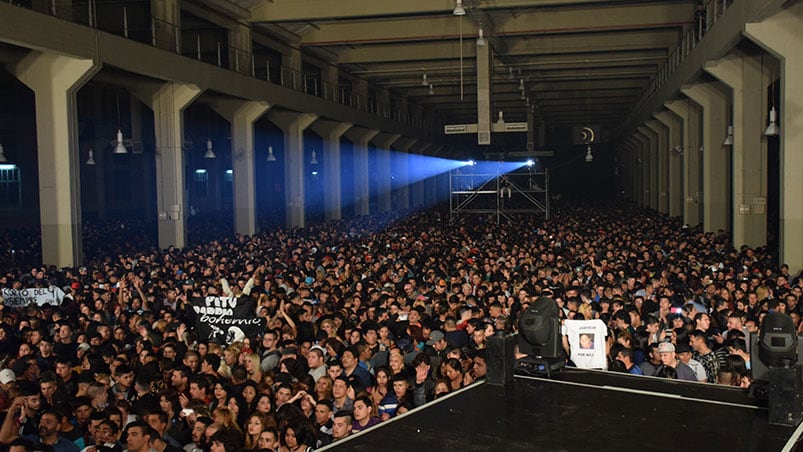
{"x":758,"y":369}
{"x":500,"y":358}
{"x":785,"y":405}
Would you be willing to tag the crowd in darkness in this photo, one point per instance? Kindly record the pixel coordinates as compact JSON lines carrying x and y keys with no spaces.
{"x":366,"y":319}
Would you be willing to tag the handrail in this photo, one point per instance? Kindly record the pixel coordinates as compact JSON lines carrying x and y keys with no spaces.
{"x":704,"y":20}
{"x":170,"y":37}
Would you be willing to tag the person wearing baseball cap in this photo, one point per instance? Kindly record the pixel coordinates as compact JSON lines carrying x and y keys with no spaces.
{"x":669,"y":359}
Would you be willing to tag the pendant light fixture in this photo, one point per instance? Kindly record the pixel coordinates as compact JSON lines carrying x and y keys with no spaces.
{"x":91,"y":160}
{"x":210,"y":153}
{"x":481,"y":38}
{"x":314,"y":160}
{"x":458,"y":9}
{"x":431,"y":90}
{"x":729,"y":137}
{"x":424,"y":81}
{"x":119,"y":147}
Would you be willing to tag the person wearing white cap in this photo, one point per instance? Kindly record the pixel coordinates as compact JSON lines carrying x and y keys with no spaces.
{"x":669,"y":359}
{"x":7,"y":380}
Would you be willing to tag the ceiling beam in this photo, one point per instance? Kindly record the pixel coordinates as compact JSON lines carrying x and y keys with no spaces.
{"x":554,"y":44}
{"x":590,"y":18}
{"x":326,"y":10}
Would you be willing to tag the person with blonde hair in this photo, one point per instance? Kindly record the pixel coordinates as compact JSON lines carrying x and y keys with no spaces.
{"x":226,"y":417}
{"x":252,"y":365}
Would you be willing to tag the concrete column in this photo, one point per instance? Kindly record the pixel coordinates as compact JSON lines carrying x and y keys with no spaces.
{"x":689,"y":114}
{"x":675,"y":160}
{"x":401,"y":165}
{"x":359,"y":88}
{"x":712,"y":97}
{"x":240,"y":48}
{"x":743,"y":74}
{"x":643,"y":167}
{"x":661,"y":163}
{"x":782,"y":34}
{"x":293,"y":125}
{"x":418,"y":186}
{"x":55,"y":80}
{"x":166,"y":16}
{"x":329,"y":74}
{"x":650,"y":158}
{"x":383,"y":141}
{"x":362,"y":191}
{"x":168,"y":102}
{"x":330,"y":132}
{"x":242,"y":115}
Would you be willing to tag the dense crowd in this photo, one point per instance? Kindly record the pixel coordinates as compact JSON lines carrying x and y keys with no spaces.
{"x":365,"y":319}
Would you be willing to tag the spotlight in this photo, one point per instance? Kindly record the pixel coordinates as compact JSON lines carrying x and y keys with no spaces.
{"x":777,"y":340}
{"x":539,"y":338}
{"x":530,"y":163}
{"x":471,"y":163}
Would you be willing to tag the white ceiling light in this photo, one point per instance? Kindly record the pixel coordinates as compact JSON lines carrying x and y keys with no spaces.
{"x":458,"y":9}
{"x":91,"y":160}
{"x":773,"y":130}
{"x":271,"y":157}
{"x":424,"y":81}
{"x":481,"y":38}
{"x":589,"y":157}
{"x":431,"y":90}
{"x":119,"y":147}
{"x":210,"y":154}
{"x":729,"y":138}
{"x":314,"y":160}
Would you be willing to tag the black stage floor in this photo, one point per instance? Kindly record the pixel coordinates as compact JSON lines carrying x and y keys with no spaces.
{"x":581,"y":411}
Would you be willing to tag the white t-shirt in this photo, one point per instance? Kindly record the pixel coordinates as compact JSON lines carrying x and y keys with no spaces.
{"x":587,"y":343}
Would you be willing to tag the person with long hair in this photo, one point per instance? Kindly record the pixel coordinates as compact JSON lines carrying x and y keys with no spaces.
{"x":453,"y":371}
{"x":220,"y":393}
{"x":224,"y":416}
{"x":263,"y":403}
{"x":323,"y":388}
{"x":297,"y":437}
{"x":380,"y":389}
{"x":256,"y":423}
{"x":252,"y":365}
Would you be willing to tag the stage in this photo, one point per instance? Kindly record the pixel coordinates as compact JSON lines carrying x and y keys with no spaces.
{"x":581,"y":411}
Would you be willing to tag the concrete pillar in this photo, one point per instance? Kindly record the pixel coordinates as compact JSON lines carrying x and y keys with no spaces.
{"x":743,"y":74}
{"x":166,"y":24}
{"x":689,"y":115}
{"x":330,"y":132}
{"x":712,"y":97}
{"x":329,"y":76}
{"x":359,"y":88}
{"x":168,"y":102}
{"x":240,"y":49}
{"x":401,"y":166}
{"x":293,"y":125}
{"x":675,"y":161}
{"x":362,"y":190}
{"x":650,"y":157}
{"x":55,"y":80}
{"x":383,"y":141}
{"x":242,"y":115}
{"x":643,"y":169}
{"x":782,"y":35}
{"x":661,"y":163}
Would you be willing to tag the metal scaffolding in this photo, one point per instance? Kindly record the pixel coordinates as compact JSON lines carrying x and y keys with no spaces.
{"x":501,"y":194}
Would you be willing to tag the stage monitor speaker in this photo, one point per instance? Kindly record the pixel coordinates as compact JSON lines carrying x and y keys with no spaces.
{"x":500,"y":358}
